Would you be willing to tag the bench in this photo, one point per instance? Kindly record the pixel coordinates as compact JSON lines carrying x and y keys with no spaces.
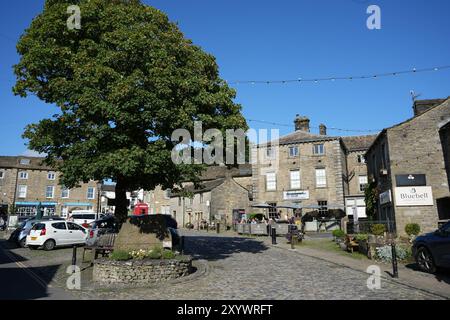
{"x":351,"y":243}
{"x":104,"y":245}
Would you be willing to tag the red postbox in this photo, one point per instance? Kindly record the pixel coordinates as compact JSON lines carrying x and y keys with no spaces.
{"x":141,"y":209}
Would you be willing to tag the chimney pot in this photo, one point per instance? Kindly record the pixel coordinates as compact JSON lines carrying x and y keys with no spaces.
{"x":301,"y":123}
{"x":323,"y":130}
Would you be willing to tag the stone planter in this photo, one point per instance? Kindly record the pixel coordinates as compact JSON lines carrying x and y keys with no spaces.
{"x":140,"y":272}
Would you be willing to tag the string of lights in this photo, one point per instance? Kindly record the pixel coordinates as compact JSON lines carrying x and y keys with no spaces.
{"x":340,"y":78}
{"x":315,"y":127}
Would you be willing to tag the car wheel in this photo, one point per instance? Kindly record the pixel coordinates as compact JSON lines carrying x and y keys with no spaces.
{"x":23,"y":242}
{"x":425,"y":260}
{"x":49,"y":245}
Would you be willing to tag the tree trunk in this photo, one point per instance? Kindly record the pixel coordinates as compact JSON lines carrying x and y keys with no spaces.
{"x":121,"y":211}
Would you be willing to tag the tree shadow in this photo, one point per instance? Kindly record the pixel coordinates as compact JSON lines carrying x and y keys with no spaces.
{"x":213,"y":248}
{"x":441,"y":275}
{"x":20,"y":282}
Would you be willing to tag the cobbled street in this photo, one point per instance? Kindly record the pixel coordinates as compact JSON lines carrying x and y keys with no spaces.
{"x":240,"y":268}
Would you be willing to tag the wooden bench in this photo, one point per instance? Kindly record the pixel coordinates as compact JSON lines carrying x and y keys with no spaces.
{"x":351,"y":243}
{"x":104,"y":245}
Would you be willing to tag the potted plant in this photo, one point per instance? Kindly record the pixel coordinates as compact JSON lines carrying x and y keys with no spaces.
{"x":412,"y":230}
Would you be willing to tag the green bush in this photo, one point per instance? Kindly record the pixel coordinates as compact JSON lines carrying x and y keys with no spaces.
{"x":362,"y":237}
{"x":378,"y":229}
{"x":155,"y":253}
{"x":338,"y":233}
{"x":168,"y":254}
{"x":120,"y":255}
{"x":412,"y":229}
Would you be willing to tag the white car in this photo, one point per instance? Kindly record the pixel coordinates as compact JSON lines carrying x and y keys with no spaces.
{"x":51,"y":234}
{"x":83,"y":217}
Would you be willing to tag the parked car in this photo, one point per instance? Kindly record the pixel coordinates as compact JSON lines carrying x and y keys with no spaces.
{"x":105,"y":225}
{"x":51,"y":234}
{"x":20,"y":234}
{"x":432,"y":250}
{"x":83,"y":217}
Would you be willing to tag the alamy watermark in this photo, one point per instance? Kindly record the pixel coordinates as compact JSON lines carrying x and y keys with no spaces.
{"x":74,"y":20}
{"x":374,"y":20}
{"x":374,"y":281}
{"x":74,"y":280}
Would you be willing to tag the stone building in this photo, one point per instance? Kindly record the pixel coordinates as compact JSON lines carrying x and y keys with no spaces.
{"x":158,"y":200}
{"x":356,"y":174}
{"x":26,"y":184}
{"x":409,"y":164}
{"x":221,"y":192}
{"x":314,"y":170}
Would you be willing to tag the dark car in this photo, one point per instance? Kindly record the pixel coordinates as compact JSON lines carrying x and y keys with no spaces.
{"x":432,"y":250}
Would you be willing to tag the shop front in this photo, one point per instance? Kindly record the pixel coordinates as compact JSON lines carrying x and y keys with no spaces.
{"x":29,"y":209}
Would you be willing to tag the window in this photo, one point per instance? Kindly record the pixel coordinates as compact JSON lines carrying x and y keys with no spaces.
{"x":273,"y":211}
{"x":51,"y":176}
{"x":295,"y":179}
{"x":2,"y":174}
{"x":324,"y":208}
{"x":271,"y":181}
{"x":179,"y":201}
{"x":23,"y":175}
{"x":25,"y":161}
{"x":167,"y":193}
{"x":201,"y":197}
{"x":270,"y":153}
{"x":64,"y":212}
{"x":91,"y":193}
{"x":362,"y":183}
{"x":293,"y":152}
{"x":50,"y":192}
{"x":59,"y":225}
{"x":318,"y":149}
{"x":74,"y":227}
{"x":22,"y":191}
{"x":65,"y":193}
{"x":321,"y":178}
{"x":361,"y":159}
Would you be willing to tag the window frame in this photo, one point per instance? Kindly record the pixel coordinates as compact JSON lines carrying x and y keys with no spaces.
{"x":62,"y":193}
{"x":2,"y":174}
{"x":274,"y":181}
{"x":299,"y":180}
{"x":93,"y":193}
{"x":318,"y":177}
{"x":23,"y":175}
{"x":317,"y":145}
{"x":51,"y":173}
{"x":53,"y":192}
{"x":19,"y":192}
{"x":363,"y":184}
{"x":297,"y":153}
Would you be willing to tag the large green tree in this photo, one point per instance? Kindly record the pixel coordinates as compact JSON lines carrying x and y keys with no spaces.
{"x":123,"y":83}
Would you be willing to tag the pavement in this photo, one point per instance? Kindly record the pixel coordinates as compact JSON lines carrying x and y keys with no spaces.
{"x":228,"y":267}
{"x":20,"y":281}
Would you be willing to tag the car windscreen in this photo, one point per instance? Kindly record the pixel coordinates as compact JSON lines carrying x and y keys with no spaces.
{"x":38,"y":226}
{"x":84,"y":216}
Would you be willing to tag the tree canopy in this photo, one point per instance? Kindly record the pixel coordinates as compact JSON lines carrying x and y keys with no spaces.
{"x":123,"y":83}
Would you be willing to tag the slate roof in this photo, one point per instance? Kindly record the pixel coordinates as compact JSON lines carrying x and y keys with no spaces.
{"x":204,"y":186}
{"x":358,"y":143}
{"x":36,"y":163}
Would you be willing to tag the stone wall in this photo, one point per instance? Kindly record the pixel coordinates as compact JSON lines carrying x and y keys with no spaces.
{"x":140,"y":272}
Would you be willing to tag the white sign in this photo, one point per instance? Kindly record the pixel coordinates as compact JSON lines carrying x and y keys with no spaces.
{"x":386,"y":197}
{"x":413,"y":196}
{"x":296,"y":195}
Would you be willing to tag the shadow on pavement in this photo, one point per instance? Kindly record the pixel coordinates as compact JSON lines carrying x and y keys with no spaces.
{"x":217,"y":248}
{"x":442,"y":274}
{"x":19,"y":282}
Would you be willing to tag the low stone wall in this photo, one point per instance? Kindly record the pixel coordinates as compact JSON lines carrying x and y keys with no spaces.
{"x":140,"y":272}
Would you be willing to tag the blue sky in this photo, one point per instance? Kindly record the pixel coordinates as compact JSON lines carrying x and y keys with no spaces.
{"x":284,"y":39}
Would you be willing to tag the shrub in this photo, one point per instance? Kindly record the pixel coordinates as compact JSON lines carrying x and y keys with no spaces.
{"x":120,"y":255}
{"x":385,"y":253}
{"x":338,"y":233}
{"x":362,"y":237}
{"x":139,"y":254}
{"x":412,"y":229}
{"x":155,"y":253}
{"x":168,"y":254}
{"x":378,"y":229}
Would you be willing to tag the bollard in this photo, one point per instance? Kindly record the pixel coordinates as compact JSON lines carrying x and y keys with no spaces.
{"x":274,"y":236}
{"x":394,"y":260}
{"x":182,"y":245}
{"x":293,"y":240}
{"x":74,"y":257}
{"x":218,"y":227}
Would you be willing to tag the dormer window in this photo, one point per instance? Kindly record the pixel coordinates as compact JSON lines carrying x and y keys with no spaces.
{"x":25,"y":162}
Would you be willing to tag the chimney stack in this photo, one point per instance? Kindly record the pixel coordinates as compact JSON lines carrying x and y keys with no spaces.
{"x":323,"y":130}
{"x":422,"y":106}
{"x":301,"y":123}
